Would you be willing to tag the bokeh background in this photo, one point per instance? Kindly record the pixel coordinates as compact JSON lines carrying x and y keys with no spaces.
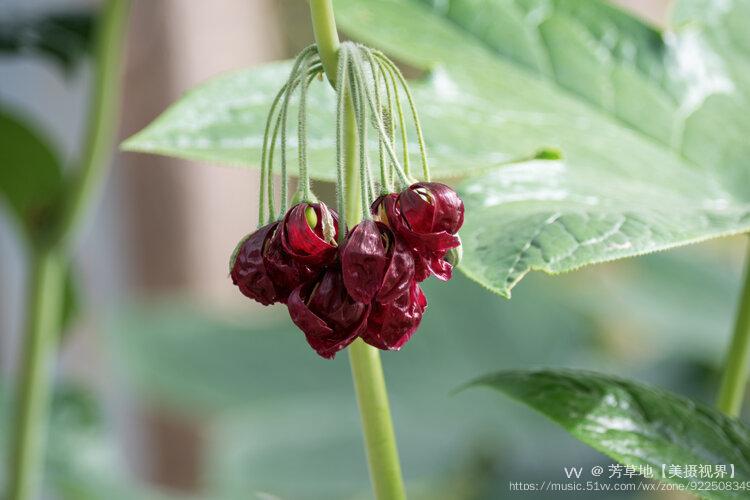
{"x":171,"y":385}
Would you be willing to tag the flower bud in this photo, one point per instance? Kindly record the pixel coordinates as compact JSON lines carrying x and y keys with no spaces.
{"x":303,"y":235}
{"x":432,"y":207}
{"x":454,"y":255}
{"x":249,"y":270}
{"x":427,"y":239}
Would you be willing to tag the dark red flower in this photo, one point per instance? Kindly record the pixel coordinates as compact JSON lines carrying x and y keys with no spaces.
{"x":309,"y":234}
{"x":392,"y":324}
{"x":285,"y":271}
{"x":264,"y":271}
{"x":435,"y":213}
{"x":432,"y":207}
{"x":329,"y":317}
{"x":249,"y":271}
{"x":399,"y":272}
{"x":375,"y":264}
{"x":363,"y":260}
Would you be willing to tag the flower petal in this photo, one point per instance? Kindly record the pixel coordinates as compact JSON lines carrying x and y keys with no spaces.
{"x":364,"y":260}
{"x":325,"y":312}
{"x":400,"y":271}
{"x":391,"y":325}
{"x":284,"y":271}
{"x":448,"y":213}
{"x":249,"y":271}
{"x":306,"y":244}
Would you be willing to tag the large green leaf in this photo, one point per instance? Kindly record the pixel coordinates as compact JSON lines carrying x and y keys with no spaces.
{"x":636,"y":424}
{"x":30,"y":173}
{"x":652,"y":126}
{"x":222,"y":121}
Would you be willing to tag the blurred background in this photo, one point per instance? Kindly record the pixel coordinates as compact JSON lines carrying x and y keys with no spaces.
{"x":171,"y":385}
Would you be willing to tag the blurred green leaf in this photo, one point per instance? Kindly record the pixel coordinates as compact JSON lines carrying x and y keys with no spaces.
{"x":71,"y":300}
{"x":674,"y":302}
{"x":31,"y":175}
{"x":285,"y":421}
{"x":635,"y":424}
{"x":63,"y":37}
{"x":82,"y":461}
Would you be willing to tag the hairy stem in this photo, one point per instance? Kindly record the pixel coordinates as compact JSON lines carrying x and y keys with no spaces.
{"x":734,"y":379}
{"x":369,"y":383}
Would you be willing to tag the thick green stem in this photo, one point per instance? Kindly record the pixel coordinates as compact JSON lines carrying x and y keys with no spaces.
{"x":326,"y":36}
{"x":367,"y":372}
{"x":40,"y":341}
{"x":26,"y":458}
{"x":734,"y":379}
{"x":372,"y":397}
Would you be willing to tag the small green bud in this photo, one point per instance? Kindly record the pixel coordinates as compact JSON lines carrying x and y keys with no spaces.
{"x":454,"y":255}
{"x":312,"y":217}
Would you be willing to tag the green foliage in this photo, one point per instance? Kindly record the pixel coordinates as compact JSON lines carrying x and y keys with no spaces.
{"x":287,"y":423}
{"x":651,"y":126}
{"x":635,"y":424}
{"x":71,"y":301}
{"x":63,"y":37}
{"x":222,"y":121}
{"x":284,"y":422}
{"x":31,"y":176}
{"x":82,"y":461}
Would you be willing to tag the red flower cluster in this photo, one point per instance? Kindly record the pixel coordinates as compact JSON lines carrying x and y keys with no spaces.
{"x":369,"y":287}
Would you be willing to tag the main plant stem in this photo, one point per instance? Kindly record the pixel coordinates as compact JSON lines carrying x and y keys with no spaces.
{"x":734,"y":379}
{"x":44,"y":306}
{"x":40,"y":341}
{"x":367,"y":371}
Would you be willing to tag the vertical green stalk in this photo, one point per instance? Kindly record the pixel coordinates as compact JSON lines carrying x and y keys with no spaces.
{"x":44,"y":307}
{"x":372,"y":398}
{"x":734,"y":379}
{"x":367,"y":372}
{"x":326,"y":36}
{"x":102,"y":123}
{"x":44,"y":313}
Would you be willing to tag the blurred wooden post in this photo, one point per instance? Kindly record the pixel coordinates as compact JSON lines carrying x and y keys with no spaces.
{"x":183,"y":219}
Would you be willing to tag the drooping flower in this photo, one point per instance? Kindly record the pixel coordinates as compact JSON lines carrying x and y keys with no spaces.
{"x":286,"y":272}
{"x":391,"y":325}
{"x":309,"y":234}
{"x":249,"y":271}
{"x":374,"y":263}
{"x":432,"y":207}
{"x":262,"y":269}
{"x":329,"y":317}
{"x":426,"y":215}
